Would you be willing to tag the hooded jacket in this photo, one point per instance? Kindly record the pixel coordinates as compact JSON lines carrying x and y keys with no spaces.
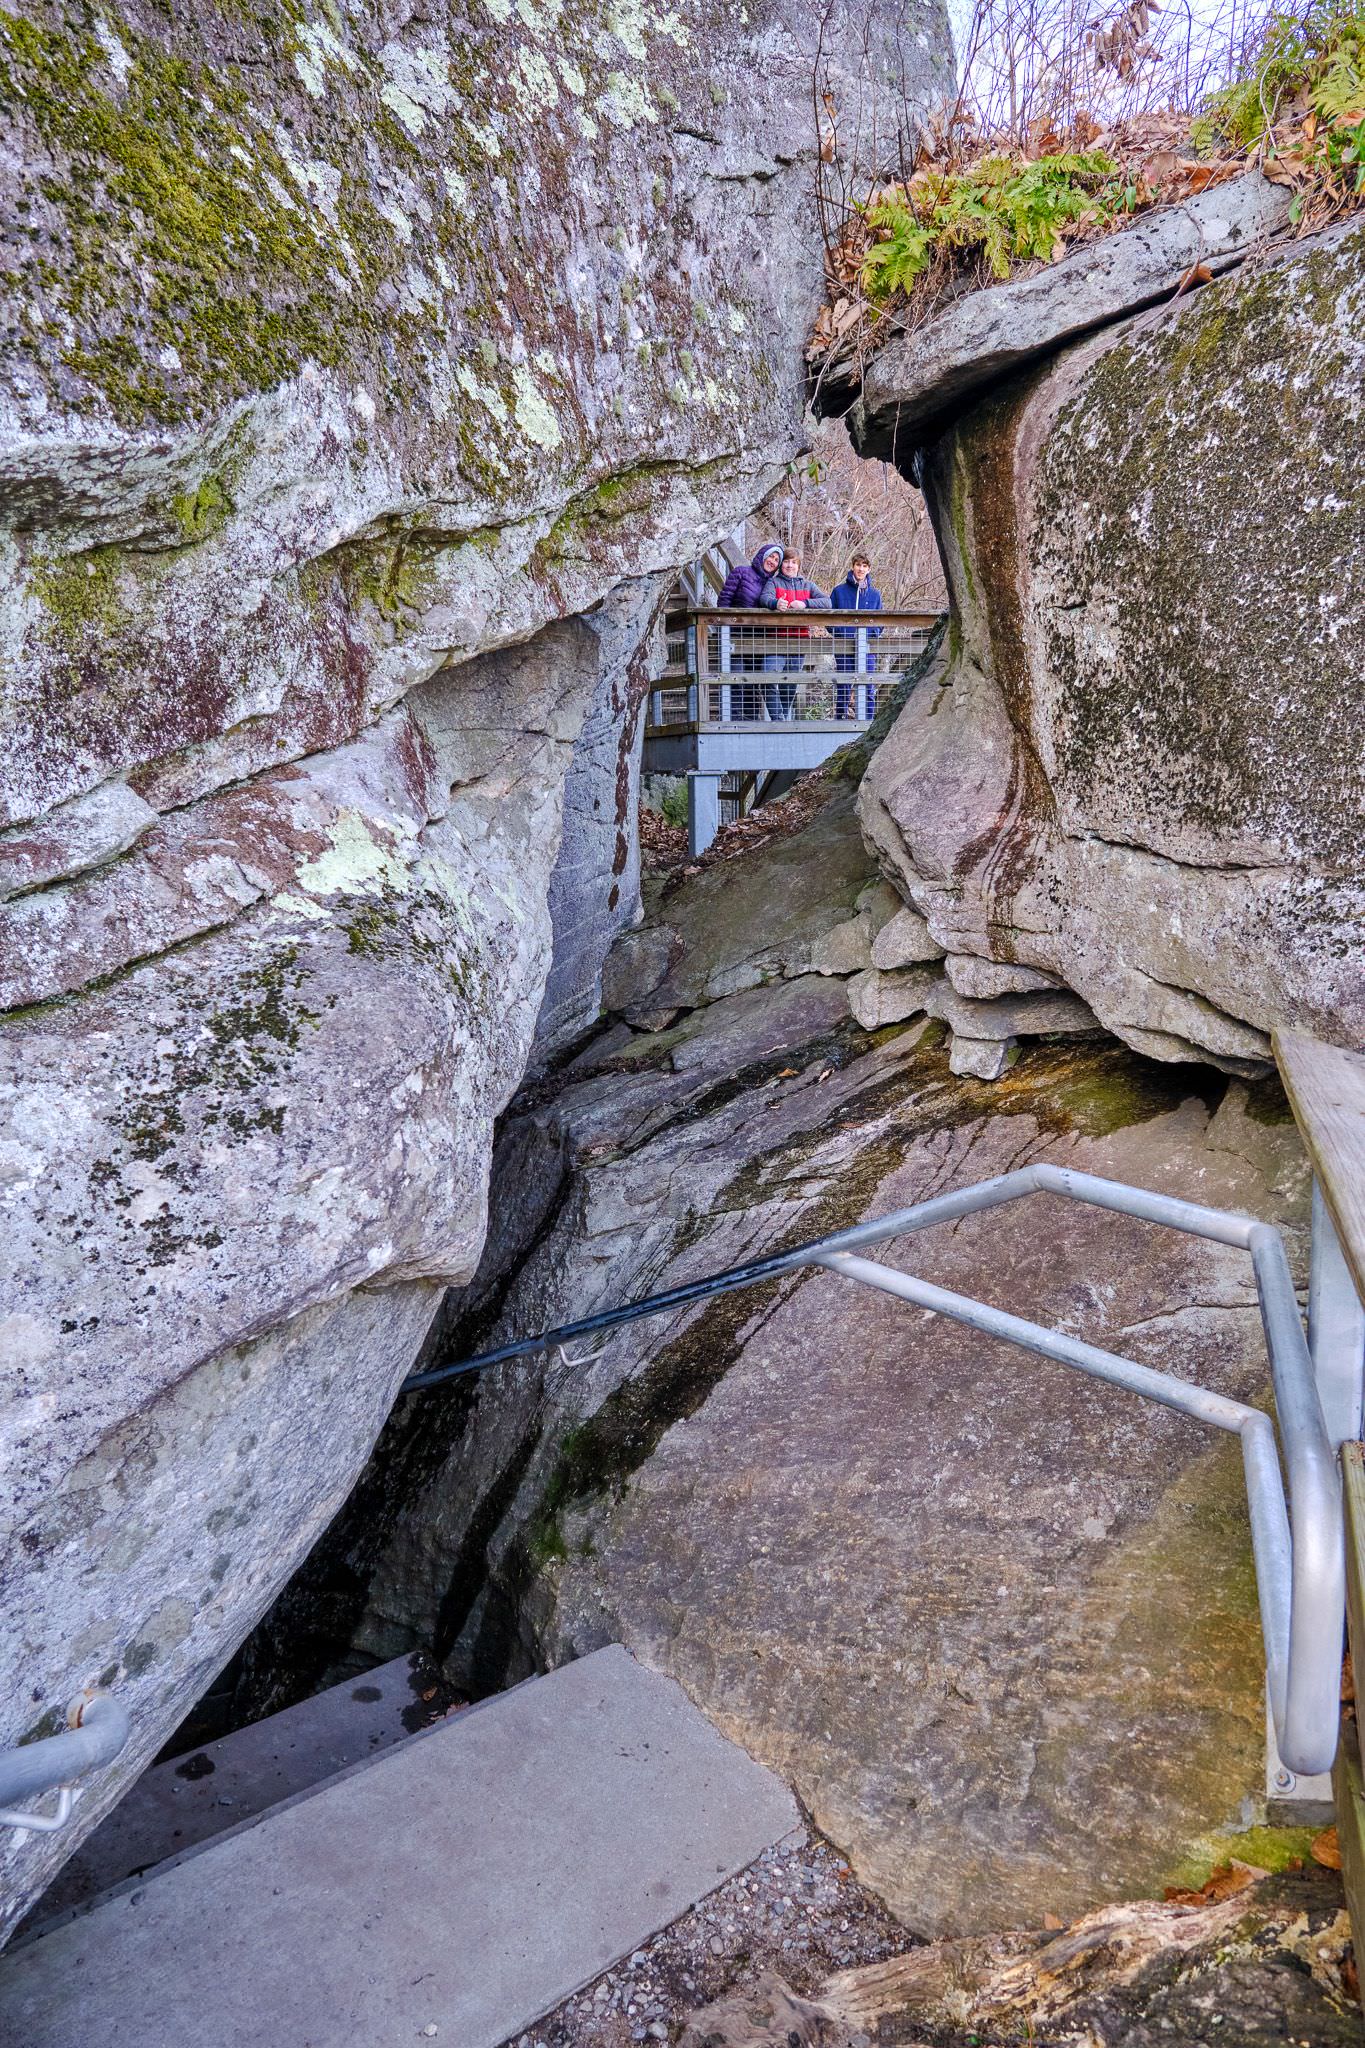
{"x":744,"y":585}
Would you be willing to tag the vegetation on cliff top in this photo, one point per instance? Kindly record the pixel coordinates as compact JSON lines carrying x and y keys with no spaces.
{"x":1298,"y":108}
{"x":1066,"y":125}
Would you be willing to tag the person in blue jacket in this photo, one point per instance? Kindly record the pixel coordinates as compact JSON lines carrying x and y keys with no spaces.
{"x":856,"y":593}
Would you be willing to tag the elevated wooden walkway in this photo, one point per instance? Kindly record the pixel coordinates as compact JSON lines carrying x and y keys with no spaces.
{"x":751,"y":694}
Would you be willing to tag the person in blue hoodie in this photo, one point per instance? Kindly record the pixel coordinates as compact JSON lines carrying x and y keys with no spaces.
{"x":742,"y":589}
{"x":856,"y":593}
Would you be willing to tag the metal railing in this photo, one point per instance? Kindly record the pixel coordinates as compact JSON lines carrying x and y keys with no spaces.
{"x":1297,"y":1546}
{"x":97,"y":1732}
{"x":755,"y":668}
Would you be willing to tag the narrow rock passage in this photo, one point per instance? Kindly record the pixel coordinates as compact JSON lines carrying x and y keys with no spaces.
{"x":996,"y":1625}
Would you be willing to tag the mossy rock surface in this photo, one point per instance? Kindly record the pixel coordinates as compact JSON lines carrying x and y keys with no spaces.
{"x":1143,"y":773}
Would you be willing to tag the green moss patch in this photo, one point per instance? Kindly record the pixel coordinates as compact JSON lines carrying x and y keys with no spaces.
{"x":1266,"y":1848}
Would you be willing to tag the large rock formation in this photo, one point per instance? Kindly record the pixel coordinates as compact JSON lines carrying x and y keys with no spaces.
{"x":367,"y":371}
{"x":996,"y":1624}
{"x":1143,"y":772}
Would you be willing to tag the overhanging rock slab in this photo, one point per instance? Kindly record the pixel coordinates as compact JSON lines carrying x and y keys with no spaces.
{"x":465,"y":1882}
{"x":915,"y":382}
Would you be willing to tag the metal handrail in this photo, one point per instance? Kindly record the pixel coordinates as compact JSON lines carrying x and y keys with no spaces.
{"x":1300,"y":1564}
{"x":98,"y":1732}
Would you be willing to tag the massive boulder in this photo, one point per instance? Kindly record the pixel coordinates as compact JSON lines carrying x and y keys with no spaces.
{"x":368,"y":374}
{"x":997,"y":1624}
{"x":1142,"y":772}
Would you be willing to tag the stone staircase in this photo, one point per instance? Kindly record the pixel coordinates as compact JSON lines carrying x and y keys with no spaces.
{"x":451,"y":1885}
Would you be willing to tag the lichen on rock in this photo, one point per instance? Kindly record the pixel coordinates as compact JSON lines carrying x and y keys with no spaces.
{"x":1142,"y":772}
{"x":355,"y":357}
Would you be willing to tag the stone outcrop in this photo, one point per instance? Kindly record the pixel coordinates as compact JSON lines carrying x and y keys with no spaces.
{"x":996,"y":1625}
{"x":1141,"y":774}
{"x":371,"y":371}
{"x":982,"y":337}
{"x":595,"y":886}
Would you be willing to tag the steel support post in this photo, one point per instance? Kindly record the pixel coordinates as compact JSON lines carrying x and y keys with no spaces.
{"x":703,"y":812}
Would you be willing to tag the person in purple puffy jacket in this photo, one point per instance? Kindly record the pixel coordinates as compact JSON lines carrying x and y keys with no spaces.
{"x":742,"y":589}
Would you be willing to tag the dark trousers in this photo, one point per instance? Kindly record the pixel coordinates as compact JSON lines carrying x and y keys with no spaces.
{"x":845,"y":694}
{"x":780,"y":698}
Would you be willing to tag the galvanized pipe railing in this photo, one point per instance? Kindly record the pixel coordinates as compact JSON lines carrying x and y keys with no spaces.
{"x":1298,"y":1547}
{"x":98,"y":1732}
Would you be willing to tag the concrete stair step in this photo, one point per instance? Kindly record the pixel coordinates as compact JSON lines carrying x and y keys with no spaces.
{"x":466,"y":1879}
{"x":178,"y":1805}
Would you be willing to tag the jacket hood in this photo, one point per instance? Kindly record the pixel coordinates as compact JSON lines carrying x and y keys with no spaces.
{"x":768,"y":548}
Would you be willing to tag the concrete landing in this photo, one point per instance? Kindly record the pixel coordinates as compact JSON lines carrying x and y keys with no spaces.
{"x":467,"y":1880}
{"x":192,"y":1798}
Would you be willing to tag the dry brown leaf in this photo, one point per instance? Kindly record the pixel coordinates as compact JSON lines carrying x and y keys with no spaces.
{"x":1053,"y":1924}
{"x":1223,"y":1882}
{"x":1326,"y":1849}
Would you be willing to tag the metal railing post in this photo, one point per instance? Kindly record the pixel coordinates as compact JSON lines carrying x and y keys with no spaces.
{"x":1298,"y":1548}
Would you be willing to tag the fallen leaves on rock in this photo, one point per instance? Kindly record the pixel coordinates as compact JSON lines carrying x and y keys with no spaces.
{"x":1269,"y":1956}
{"x":1222,"y":1883}
{"x":665,"y":846}
{"x":1155,"y":166}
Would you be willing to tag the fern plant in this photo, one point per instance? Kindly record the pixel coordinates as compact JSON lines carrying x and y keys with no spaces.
{"x":1318,"y":55}
{"x":994,"y":213}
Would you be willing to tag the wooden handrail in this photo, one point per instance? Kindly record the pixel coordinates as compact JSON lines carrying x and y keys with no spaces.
{"x":725,"y":615}
{"x":1346,"y":1779}
{"x":1326,"y":1090}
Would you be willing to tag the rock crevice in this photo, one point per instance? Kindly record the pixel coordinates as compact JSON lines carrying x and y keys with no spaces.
{"x":371,"y":376}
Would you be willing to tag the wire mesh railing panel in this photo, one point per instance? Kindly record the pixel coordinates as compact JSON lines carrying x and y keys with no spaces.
{"x":675,"y":649}
{"x":818,"y":667}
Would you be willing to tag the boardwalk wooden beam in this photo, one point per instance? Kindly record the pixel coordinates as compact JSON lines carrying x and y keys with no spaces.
{"x":1326,"y":1090}
{"x":1347,"y":1784}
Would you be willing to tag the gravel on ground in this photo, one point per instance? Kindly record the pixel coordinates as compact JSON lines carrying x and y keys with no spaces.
{"x":798,"y":1910}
